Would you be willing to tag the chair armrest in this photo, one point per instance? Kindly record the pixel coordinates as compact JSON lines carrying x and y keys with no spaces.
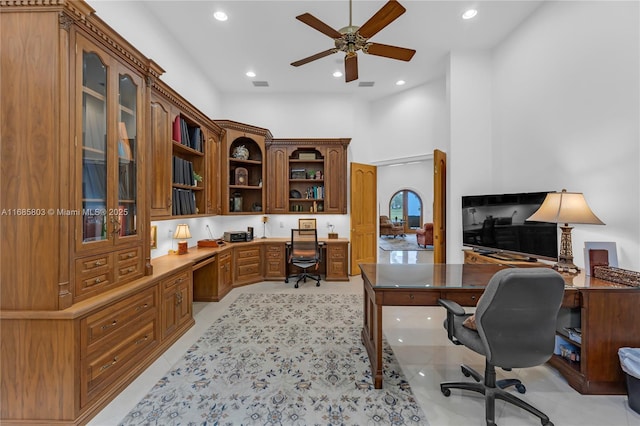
{"x":452,"y":307}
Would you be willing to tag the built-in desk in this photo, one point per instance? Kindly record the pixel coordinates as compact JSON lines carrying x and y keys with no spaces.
{"x":607,"y":313}
{"x":217,"y":270}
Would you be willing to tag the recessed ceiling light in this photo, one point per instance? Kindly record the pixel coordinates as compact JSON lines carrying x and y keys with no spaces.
{"x":337,"y":74}
{"x":220,"y":16}
{"x":250,"y":74}
{"x":469,"y":14}
{"x":400,"y":83}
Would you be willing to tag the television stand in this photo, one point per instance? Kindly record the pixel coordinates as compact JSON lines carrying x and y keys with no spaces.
{"x":512,"y":257}
{"x":471,"y":256}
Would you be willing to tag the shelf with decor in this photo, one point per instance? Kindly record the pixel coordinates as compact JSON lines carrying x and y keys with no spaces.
{"x":184,"y":156}
{"x":307,"y":175}
{"x":243,"y":168}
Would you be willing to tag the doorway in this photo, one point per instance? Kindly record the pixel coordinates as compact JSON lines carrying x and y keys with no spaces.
{"x":405,"y":207}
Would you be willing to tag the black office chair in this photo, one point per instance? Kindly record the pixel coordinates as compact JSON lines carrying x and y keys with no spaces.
{"x":305,"y":254}
{"x":516,"y":326}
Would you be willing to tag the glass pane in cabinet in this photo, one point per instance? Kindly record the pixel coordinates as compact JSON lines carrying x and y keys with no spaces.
{"x":127,"y":161}
{"x":94,"y":148}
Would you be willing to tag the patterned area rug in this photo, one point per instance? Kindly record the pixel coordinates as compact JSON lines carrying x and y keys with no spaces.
{"x":281,"y":359}
{"x":406,"y":243}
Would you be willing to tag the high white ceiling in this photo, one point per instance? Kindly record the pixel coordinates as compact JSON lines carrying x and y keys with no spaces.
{"x":264,"y":36}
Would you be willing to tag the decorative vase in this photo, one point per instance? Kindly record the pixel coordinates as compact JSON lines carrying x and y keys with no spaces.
{"x":241,"y":153}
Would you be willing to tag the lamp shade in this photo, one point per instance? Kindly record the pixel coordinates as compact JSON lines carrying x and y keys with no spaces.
{"x":182,"y":232}
{"x":565,"y":207}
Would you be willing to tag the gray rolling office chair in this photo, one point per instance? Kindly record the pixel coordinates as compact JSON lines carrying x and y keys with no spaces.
{"x":305,"y":254}
{"x":516,"y":326}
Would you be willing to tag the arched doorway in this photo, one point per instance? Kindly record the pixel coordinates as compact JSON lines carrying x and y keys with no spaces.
{"x":406,"y":207}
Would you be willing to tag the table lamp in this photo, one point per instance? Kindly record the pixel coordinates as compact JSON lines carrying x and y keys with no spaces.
{"x":265,"y":219}
{"x":182,"y":233}
{"x":565,"y":207}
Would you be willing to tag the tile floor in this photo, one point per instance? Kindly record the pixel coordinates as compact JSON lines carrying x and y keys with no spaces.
{"x":427,"y":358}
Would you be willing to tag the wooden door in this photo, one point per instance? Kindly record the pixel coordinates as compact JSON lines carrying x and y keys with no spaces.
{"x":364,"y":215}
{"x":439,"y":206}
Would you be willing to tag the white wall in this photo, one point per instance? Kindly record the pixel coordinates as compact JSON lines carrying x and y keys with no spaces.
{"x":470,"y":156}
{"x":566,"y":115}
{"x":136,"y":23}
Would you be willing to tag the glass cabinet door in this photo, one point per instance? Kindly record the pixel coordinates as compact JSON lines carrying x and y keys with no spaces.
{"x":127,"y":161}
{"x":94,"y":148}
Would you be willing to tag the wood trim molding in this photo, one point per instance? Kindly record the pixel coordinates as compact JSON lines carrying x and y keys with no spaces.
{"x":311,"y":141}
{"x":245,"y":128}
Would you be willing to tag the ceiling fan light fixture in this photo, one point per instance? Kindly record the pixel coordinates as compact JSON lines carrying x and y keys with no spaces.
{"x":220,"y":16}
{"x":400,"y":83}
{"x":337,"y":74}
{"x":469,"y":14}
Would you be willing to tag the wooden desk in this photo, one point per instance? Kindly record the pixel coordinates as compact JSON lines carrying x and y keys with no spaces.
{"x":607,"y":313}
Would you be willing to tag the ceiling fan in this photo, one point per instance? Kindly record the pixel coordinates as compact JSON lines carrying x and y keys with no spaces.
{"x":352,"y":38}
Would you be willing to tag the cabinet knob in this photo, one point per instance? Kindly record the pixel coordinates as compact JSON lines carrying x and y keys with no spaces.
{"x":131,"y":255}
{"x":411,"y":296}
{"x":98,"y":263}
{"x":108,"y":326}
{"x":104,"y":367}
{"x":97,"y":280}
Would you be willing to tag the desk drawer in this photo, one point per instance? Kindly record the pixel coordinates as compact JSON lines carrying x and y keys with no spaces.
{"x":463,"y":297}
{"x":115,"y":318}
{"x":410,"y":298}
{"x":245,"y":253}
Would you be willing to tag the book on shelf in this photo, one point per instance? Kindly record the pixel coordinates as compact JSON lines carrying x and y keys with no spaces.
{"x":176,"y":132}
{"x":124,"y":144}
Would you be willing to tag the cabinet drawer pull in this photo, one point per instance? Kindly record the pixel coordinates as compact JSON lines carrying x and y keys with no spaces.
{"x":108,"y":326}
{"x":131,"y":255}
{"x":178,"y":298}
{"x":111,"y":364}
{"x":411,"y":296}
{"x":144,"y":339}
{"x":131,"y":269}
{"x":97,"y":280}
{"x":473,"y":298}
{"x":98,"y":263}
{"x":145,"y":306}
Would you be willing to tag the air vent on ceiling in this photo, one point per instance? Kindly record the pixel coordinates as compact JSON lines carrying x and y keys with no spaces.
{"x":261,"y":83}
{"x":366,"y":83}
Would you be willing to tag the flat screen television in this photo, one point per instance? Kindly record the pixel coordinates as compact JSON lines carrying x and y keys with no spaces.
{"x":496,"y":224}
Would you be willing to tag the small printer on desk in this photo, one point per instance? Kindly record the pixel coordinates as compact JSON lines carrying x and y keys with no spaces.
{"x":236,"y":236}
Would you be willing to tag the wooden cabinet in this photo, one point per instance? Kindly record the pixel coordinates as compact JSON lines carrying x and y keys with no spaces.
{"x":243,"y":168}
{"x":109,"y":130}
{"x":225,"y":273}
{"x":176,"y":302}
{"x":113,"y":339}
{"x":274,"y":267}
{"x":337,"y":261}
{"x":307,"y":175}
{"x":248,"y":264}
{"x":184,"y":153}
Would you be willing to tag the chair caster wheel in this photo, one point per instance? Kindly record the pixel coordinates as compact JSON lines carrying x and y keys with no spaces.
{"x":520,"y":388}
{"x":317,"y":284}
{"x":445,"y":391}
{"x":296,"y":286}
{"x":286,"y":280}
{"x":547,"y":423}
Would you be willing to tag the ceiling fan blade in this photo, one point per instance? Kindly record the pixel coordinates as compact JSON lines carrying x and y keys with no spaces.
{"x":387,"y":51}
{"x":314,"y":22}
{"x":386,"y":15}
{"x":350,"y":67}
{"x":314,"y":57}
